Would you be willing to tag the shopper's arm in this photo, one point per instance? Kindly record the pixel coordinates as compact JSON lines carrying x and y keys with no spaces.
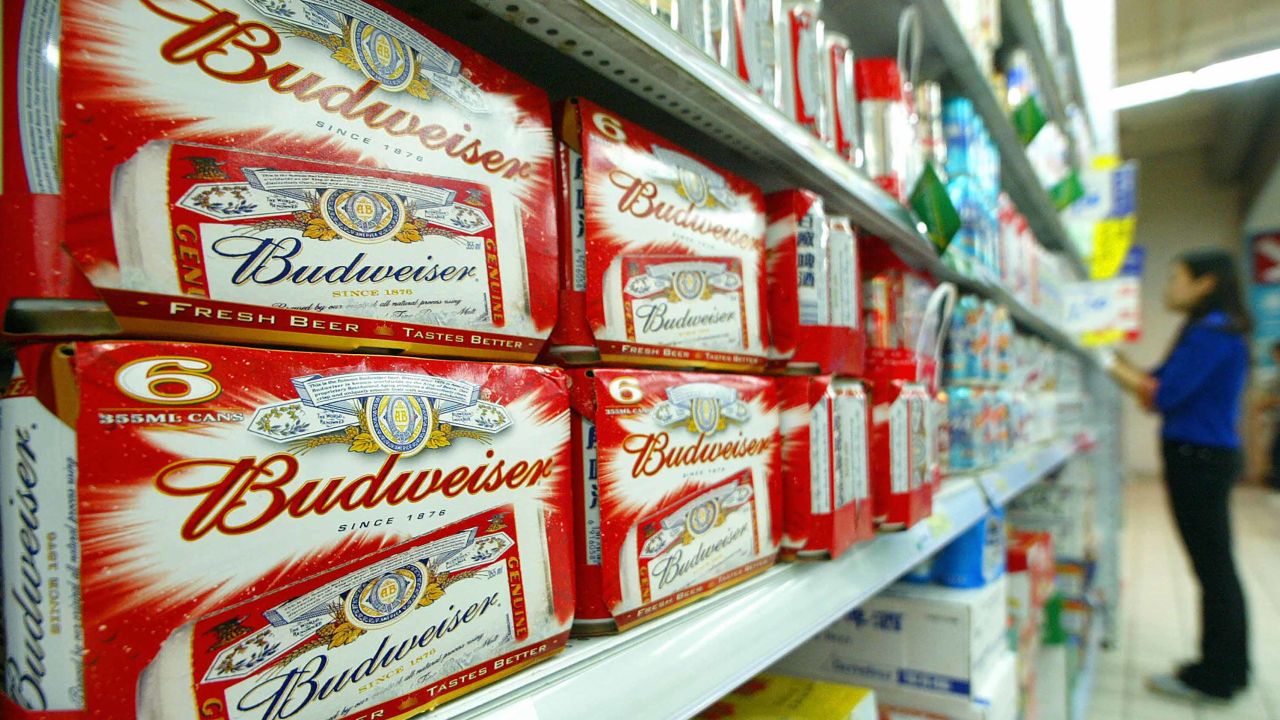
{"x":1130,"y":377}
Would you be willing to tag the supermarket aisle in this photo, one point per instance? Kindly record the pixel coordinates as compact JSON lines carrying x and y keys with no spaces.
{"x":1157,"y":612}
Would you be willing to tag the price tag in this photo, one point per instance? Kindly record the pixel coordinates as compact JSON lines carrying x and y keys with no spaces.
{"x":939,"y":524}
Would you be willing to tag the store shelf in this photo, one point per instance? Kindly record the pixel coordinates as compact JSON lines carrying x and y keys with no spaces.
{"x":1019,"y":18}
{"x":740,"y":632}
{"x":1018,"y":177}
{"x":622,"y":41}
{"x":1030,"y":466}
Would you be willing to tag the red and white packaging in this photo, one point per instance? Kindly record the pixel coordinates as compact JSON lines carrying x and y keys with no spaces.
{"x":749,"y":44}
{"x":903,"y":382}
{"x":678,"y":489}
{"x":36,"y":273}
{"x":815,"y":303}
{"x":886,"y":125}
{"x":840,"y":96}
{"x":453,"y":254}
{"x":195,"y":531}
{"x":663,"y":254}
{"x":800,"y":40}
{"x":826,"y":482}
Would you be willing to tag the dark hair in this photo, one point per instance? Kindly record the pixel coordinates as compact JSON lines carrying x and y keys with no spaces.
{"x":1227,"y":296}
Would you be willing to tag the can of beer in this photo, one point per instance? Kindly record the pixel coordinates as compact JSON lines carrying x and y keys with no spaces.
{"x":749,"y":47}
{"x":886,"y":127}
{"x":839,"y":96}
{"x":929,"y":129}
{"x":800,"y":38}
{"x":877,"y":303}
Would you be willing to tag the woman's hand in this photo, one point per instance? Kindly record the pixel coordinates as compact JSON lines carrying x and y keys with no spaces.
{"x":1128,"y":376}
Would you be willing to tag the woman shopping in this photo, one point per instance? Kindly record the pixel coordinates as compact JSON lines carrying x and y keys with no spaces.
{"x":1197,"y":391}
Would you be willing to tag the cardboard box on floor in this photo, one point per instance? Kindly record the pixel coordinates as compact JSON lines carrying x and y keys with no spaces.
{"x":995,"y":698}
{"x":926,"y":637}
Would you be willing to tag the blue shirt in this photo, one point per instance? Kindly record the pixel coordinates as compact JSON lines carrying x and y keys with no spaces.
{"x":1201,"y":384}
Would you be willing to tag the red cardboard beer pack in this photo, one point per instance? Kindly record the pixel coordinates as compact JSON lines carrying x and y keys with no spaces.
{"x":825,"y":481}
{"x":318,"y":173}
{"x":198,"y":531}
{"x":815,"y":296}
{"x":677,"y":489}
{"x":35,"y":265}
{"x":908,"y":331}
{"x":662,"y":253}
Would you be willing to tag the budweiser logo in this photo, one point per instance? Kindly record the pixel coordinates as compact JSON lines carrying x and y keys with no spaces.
{"x":640,"y":199}
{"x":234,"y":50}
{"x":654,"y":452}
{"x":25,"y":674}
{"x":242,"y":496}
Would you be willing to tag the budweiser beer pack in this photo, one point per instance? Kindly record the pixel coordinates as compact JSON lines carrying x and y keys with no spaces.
{"x":319,"y":173}
{"x":200,"y":531}
{"x":677,"y":489}
{"x":826,"y":481}
{"x":663,"y":254}
{"x":907,"y":319}
{"x":814,"y":295}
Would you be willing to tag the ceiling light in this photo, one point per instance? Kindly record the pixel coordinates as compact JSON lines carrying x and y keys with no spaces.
{"x":1154,"y":90}
{"x":1221,"y":74}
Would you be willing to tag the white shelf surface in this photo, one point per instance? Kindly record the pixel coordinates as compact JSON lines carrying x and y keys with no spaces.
{"x":677,"y":665}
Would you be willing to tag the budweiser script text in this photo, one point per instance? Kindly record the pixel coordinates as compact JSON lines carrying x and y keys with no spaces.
{"x":248,"y":494}
{"x":654,"y":452}
{"x":639,"y":198}
{"x":25,"y":674}
{"x":237,"y":51}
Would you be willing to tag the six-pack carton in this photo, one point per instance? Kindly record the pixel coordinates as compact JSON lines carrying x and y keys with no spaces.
{"x":677,"y":489}
{"x":196,"y":531}
{"x":825,"y":478}
{"x":317,"y":173}
{"x":815,"y":295}
{"x":662,"y":253}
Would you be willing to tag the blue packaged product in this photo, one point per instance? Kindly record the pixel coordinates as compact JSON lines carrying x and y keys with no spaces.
{"x":961,"y":421}
{"x":920,"y":574}
{"x":976,"y":557}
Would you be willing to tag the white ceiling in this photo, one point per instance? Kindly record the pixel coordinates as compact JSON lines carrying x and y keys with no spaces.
{"x":1158,"y":37}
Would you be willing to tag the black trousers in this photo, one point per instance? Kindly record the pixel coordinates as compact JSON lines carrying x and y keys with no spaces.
{"x":1199,"y":480}
{"x":1273,"y":479}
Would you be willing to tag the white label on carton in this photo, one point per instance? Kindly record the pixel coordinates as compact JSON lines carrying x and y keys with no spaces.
{"x":39,"y":530}
{"x":705,"y":537}
{"x":38,"y":100}
{"x":852,"y":482}
{"x":578,"y":223}
{"x":813,"y":274}
{"x":842,"y":247}
{"x":687,"y":303}
{"x":448,"y":286}
{"x":591,"y":491}
{"x":820,"y":458}
{"x":899,"y":446}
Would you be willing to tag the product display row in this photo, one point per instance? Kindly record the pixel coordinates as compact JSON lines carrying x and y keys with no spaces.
{"x":304,"y":474}
{"x":996,"y":626}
